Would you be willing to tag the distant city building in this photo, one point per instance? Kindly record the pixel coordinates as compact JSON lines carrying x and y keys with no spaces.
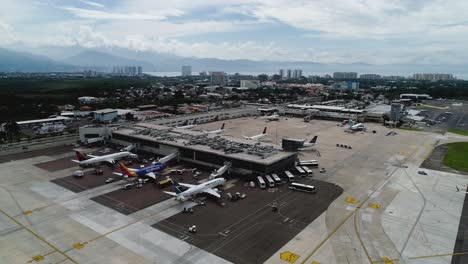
{"x":127,"y":70}
{"x":263,"y":77}
{"x":88,"y":100}
{"x":395,"y":112}
{"x":344,"y":75}
{"x":349,"y":85}
{"x":203,"y":73}
{"x":250,"y":84}
{"x":186,"y":71}
{"x":288,"y":74}
{"x":416,"y":97}
{"x":105,"y":115}
{"x":217,"y":78}
{"x":433,"y":77}
{"x":370,"y":76}
{"x":297,"y":74}
{"x":281,"y":73}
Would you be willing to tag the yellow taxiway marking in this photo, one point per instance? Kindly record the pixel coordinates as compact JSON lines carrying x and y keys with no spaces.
{"x":38,"y":258}
{"x":79,"y":245}
{"x":386,"y":260}
{"x":28,"y":212}
{"x":37,"y":236}
{"x":402,"y":153}
{"x":352,"y":200}
{"x":289,"y":256}
{"x":315,"y":262}
{"x":374,"y":205}
{"x":440,"y":255}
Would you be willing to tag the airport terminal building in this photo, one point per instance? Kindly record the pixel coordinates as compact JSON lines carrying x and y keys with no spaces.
{"x":195,"y":147}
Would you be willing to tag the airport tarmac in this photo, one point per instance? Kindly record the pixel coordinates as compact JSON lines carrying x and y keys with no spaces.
{"x":388,"y":213}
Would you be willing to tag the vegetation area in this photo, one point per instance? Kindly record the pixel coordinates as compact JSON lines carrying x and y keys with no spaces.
{"x":29,"y":97}
{"x":459,"y":132}
{"x":456,"y":156}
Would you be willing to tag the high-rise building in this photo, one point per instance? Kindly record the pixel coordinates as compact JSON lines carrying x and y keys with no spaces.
{"x":127,"y":70}
{"x":344,"y":75}
{"x":186,"y":71}
{"x":217,"y":78}
{"x":288,"y":74}
{"x":433,"y":77}
{"x":281,"y":73}
{"x":140,"y":70}
{"x":297,"y":74}
{"x":370,"y":76}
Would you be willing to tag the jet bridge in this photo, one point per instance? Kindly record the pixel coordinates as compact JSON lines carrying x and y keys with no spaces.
{"x":221,"y":171}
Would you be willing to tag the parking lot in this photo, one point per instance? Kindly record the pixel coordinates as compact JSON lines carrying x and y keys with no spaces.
{"x":247,"y":230}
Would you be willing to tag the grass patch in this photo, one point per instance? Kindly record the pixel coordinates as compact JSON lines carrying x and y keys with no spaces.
{"x":457,"y":156}
{"x":410,"y":128}
{"x":459,"y":132}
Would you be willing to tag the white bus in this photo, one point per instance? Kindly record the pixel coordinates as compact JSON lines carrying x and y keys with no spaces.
{"x":289,"y":176}
{"x":271,"y":182}
{"x":302,"y":187}
{"x":276,"y":178}
{"x":300,"y":171}
{"x":261,"y":182}
{"x":313,"y":163}
{"x":307,"y":170}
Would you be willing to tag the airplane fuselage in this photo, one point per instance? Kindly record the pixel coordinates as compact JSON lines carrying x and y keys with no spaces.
{"x":114,"y":156}
{"x":153,"y":168}
{"x":200,"y":188}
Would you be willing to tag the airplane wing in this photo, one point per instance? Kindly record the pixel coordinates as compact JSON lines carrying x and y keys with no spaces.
{"x":151,"y":175}
{"x":212,"y":192}
{"x":186,"y":185}
{"x":171,"y":193}
{"x":76,"y":161}
{"x":91,"y":156}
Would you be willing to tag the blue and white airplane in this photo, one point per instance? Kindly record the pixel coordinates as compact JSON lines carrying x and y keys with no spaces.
{"x":150,"y":171}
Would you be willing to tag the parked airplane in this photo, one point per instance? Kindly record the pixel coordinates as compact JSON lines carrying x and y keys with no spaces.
{"x":466,"y":189}
{"x":257,"y":137}
{"x":273,"y":117}
{"x":188,"y":126}
{"x":309,"y":144}
{"x":206,"y":187}
{"x":353,"y":127}
{"x":150,"y":171}
{"x":215,"y":132}
{"x":85,"y":160}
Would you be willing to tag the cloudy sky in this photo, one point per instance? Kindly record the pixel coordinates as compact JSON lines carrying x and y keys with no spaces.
{"x":343,"y":31}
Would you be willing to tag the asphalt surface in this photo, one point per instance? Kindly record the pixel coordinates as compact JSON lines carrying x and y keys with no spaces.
{"x":247,"y":230}
{"x":453,"y":117}
{"x":435,"y":161}
{"x":36,"y":153}
{"x":58,"y":164}
{"x":88,"y":181}
{"x":461,"y":244}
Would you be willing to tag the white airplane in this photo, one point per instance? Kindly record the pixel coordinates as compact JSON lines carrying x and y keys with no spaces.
{"x":309,"y":144}
{"x":273,"y":117}
{"x":353,"y":127}
{"x":206,"y":187}
{"x":466,"y":188}
{"x":215,"y":132}
{"x":188,"y":126}
{"x":85,"y":160}
{"x":257,"y":137}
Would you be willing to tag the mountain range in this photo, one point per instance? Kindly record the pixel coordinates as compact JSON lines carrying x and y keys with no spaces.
{"x":104,"y":59}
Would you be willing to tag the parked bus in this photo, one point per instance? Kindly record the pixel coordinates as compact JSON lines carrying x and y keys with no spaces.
{"x":302,"y":187}
{"x":276,"y":178}
{"x":307,"y":170}
{"x":271,"y":182}
{"x":313,"y":163}
{"x":300,"y":171}
{"x":289,"y":176}
{"x":261,"y":182}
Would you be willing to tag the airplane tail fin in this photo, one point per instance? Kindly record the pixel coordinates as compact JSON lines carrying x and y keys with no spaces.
{"x":80,"y":156}
{"x":176,"y":186}
{"x":264,"y":130}
{"x":314,"y":139}
{"x":126,"y":171}
{"x":222,"y":127}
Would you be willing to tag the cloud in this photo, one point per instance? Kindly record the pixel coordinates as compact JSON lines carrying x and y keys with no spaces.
{"x":94,"y":4}
{"x":99,"y":15}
